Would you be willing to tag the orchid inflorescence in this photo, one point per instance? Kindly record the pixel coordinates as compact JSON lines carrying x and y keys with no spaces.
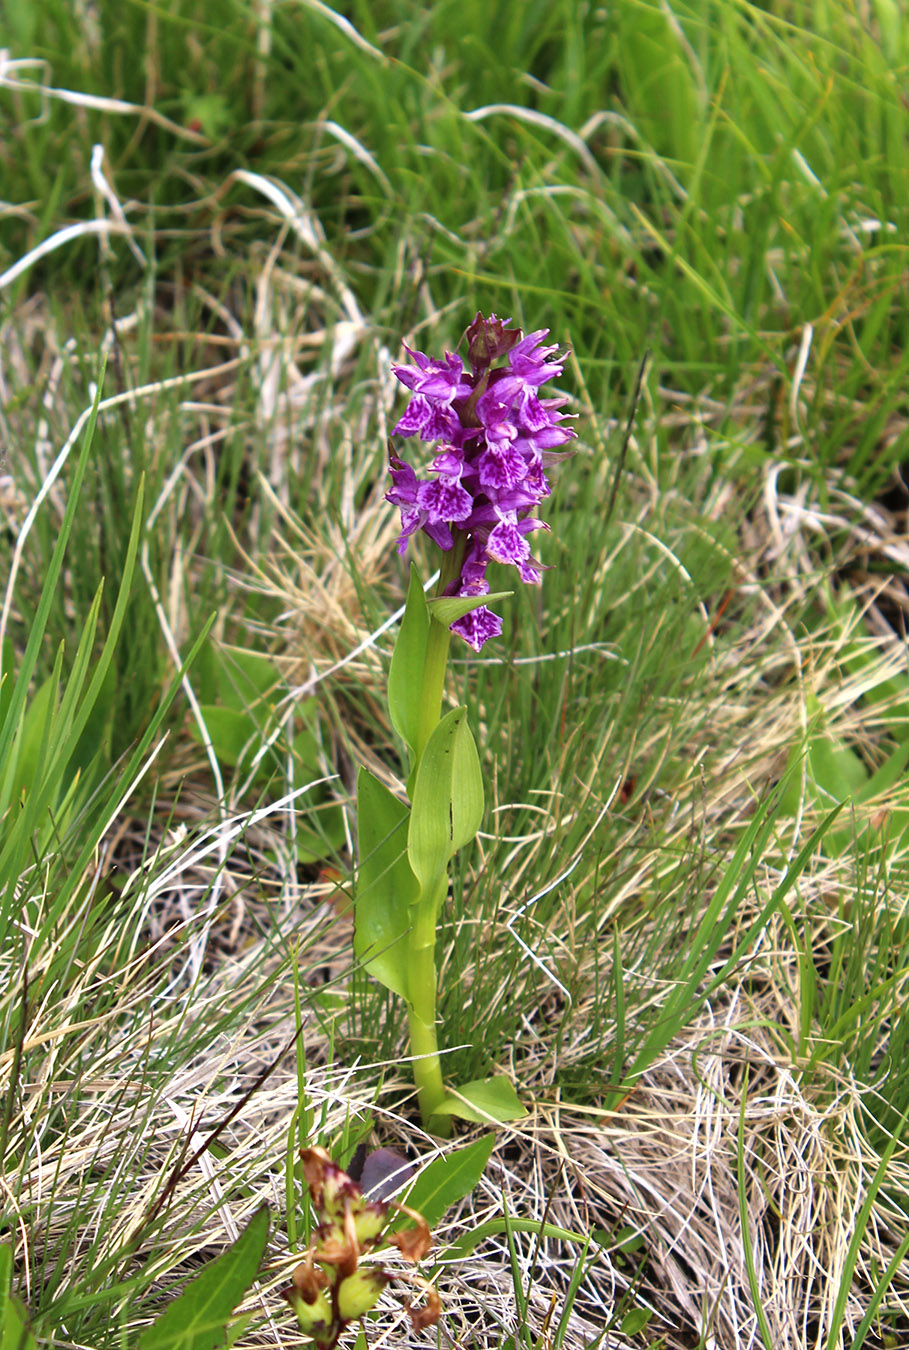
{"x":330,"y":1289}
{"x":496,"y":437}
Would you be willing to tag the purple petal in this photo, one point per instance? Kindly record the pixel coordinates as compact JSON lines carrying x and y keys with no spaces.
{"x":423,"y":361}
{"x":495,"y":405}
{"x":411,"y":520}
{"x":440,"y":425}
{"x":449,"y":460}
{"x":444,"y":499}
{"x":473,"y":572}
{"x":416,"y":415}
{"x":501,"y":467}
{"x":442,"y":384}
{"x":534,"y":417}
{"x":478,"y":627}
{"x":536,"y":371}
{"x":440,"y":534}
{"x":404,"y":483}
{"x":507,"y":544}
{"x":536,"y":482}
{"x":526,"y":345}
{"x":411,"y":375}
{"x":551,"y":436}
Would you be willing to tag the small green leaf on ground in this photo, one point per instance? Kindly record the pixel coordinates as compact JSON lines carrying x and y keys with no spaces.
{"x":488,"y":1100}
{"x":634,"y":1322}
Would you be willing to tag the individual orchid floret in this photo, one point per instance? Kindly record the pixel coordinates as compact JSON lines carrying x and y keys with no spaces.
{"x":478,"y":626}
{"x":497,"y":437}
{"x":435,"y":385}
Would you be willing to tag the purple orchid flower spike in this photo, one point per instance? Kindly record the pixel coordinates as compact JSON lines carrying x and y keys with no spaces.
{"x":496,"y":437}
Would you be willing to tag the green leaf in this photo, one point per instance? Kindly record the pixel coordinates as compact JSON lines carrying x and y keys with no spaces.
{"x":386,"y":886}
{"x":447,"y":799}
{"x":198,"y":1319}
{"x":859,"y":1231}
{"x":32,"y":745}
{"x":485,"y":1101}
{"x":449,"y":608}
{"x":7,"y":661}
{"x":405,"y":678}
{"x":657,"y":75}
{"x":244,"y":678}
{"x":838,"y":771}
{"x":448,"y":1179}
{"x":834,"y":772}
{"x":634,"y":1322}
{"x":237,"y":1329}
{"x":305,"y":748}
{"x":324,"y":841}
{"x":888,"y":775}
{"x":234,"y":735}
{"x":465,"y":1245}
{"x":38,"y":621}
{"x":14,"y":1329}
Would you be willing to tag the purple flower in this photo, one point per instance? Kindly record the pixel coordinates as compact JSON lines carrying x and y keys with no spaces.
{"x":435,"y":385}
{"x":497,"y":437}
{"x":478,"y":626}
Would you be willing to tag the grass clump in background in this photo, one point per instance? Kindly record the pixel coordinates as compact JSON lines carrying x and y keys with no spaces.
{"x":682,"y":930}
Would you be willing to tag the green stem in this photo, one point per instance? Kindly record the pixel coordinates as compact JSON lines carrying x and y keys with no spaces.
{"x":424,"y":1044}
{"x":437,"y":654}
{"x":433,"y":684}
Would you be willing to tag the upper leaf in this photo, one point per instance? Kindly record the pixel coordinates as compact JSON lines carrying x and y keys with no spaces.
{"x":405,"y":678}
{"x":447,"y":799}
{"x":386,"y":886}
{"x":449,"y":608}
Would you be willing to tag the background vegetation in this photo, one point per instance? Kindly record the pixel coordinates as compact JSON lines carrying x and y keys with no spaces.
{"x":684,"y":930}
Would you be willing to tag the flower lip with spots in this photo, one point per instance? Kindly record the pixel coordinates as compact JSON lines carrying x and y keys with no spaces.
{"x":495,"y":438}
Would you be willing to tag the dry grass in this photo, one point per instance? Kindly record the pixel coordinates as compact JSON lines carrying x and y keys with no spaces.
{"x":724,"y":1123}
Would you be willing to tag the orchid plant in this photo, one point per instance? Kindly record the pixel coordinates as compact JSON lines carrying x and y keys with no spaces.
{"x":330,"y":1288}
{"x":494,"y":438}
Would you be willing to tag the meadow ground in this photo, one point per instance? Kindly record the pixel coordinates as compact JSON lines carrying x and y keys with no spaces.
{"x":682,"y":932}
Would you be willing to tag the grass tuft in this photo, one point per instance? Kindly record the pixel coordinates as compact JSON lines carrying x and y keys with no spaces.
{"x":683,"y":930}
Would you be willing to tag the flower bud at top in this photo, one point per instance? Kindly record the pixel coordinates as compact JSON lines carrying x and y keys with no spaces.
{"x":488,"y":340}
